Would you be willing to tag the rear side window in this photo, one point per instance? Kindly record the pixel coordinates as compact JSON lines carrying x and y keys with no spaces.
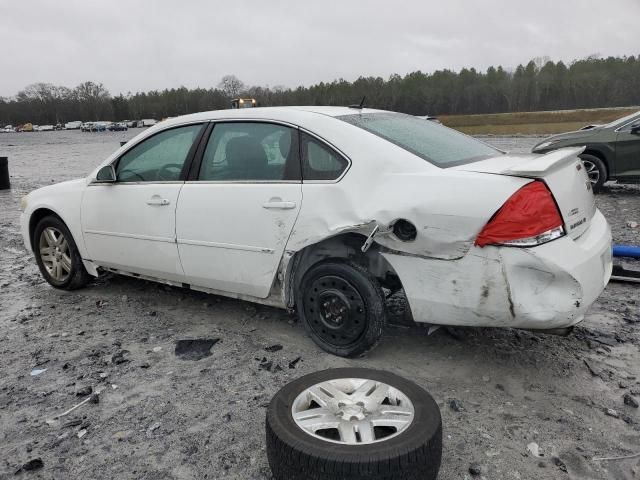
{"x":434,"y":143}
{"x":319,"y":162}
{"x":159,"y":158}
{"x":242,"y":151}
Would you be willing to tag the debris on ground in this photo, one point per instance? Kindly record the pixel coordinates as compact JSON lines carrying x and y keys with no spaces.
{"x":273,"y":348}
{"x":477,"y":469}
{"x":610,"y":412}
{"x":559,"y":463}
{"x":534,"y":449}
{"x":456,"y":405}
{"x":37,"y":371}
{"x":93,"y":398}
{"x":152,"y":428}
{"x":84,"y":391}
{"x":196,"y":349}
{"x":118,"y":358}
{"x":630,"y":401}
{"x":31,"y":465}
{"x":294,"y":362}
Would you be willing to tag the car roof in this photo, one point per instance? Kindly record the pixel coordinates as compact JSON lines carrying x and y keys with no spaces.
{"x":286,"y":114}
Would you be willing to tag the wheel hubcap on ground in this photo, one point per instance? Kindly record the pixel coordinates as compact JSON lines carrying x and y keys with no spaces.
{"x":592,"y":171}
{"x":336,"y":310}
{"x":353,"y":411}
{"x":55,"y":254}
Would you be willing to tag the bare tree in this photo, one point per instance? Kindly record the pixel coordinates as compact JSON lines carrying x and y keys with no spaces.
{"x":231,"y":85}
{"x":95,"y":99}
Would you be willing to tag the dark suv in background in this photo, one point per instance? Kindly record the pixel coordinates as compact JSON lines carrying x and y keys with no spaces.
{"x":612,"y":151}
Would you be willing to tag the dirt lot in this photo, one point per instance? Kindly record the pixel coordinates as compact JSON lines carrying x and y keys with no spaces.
{"x":160,"y":416}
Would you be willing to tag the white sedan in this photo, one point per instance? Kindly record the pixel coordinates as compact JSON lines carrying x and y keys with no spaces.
{"x":319,"y":209}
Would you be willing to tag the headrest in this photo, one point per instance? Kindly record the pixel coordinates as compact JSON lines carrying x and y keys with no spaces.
{"x":246,"y":153}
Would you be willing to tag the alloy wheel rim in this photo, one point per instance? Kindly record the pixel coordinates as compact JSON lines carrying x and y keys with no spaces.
{"x":592,"y":171}
{"x":55,"y":254}
{"x":353,"y":411}
{"x":335,"y":310}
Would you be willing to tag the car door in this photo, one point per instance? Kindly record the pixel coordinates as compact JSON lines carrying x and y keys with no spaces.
{"x":130,"y":224}
{"x":628,"y":151}
{"x":236,"y":214}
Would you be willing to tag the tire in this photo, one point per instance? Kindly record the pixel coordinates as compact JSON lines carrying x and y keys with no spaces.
{"x":596,"y":170}
{"x":76,"y":276}
{"x":412,"y":453}
{"x":352,"y":323}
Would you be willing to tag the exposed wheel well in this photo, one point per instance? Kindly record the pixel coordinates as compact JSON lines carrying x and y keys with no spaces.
{"x":36,"y":216}
{"x":343,"y":246}
{"x":602,"y":157}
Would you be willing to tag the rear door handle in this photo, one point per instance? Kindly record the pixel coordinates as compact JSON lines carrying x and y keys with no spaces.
{"x":156,"y":200}
{"x":278,"y":204}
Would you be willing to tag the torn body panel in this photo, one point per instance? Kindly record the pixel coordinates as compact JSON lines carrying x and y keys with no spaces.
{"x":447,"y":215}
{"x":533,"y":288}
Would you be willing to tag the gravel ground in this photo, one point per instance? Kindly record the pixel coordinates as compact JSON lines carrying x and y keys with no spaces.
{"x":161,"y":417}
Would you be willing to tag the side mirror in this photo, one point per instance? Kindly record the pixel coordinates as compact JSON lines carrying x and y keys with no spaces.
{"x":635,"y":129}
{"x":106,"y":174}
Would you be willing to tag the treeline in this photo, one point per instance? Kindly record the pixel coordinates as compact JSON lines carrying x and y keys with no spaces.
{"x":540,"y":85}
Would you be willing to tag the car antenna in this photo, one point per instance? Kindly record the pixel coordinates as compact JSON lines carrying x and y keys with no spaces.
{"x":359,"y":106}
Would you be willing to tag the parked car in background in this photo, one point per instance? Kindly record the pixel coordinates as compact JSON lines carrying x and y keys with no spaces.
{"x":99,"y":127}
{"x":44,"y":128}
{"x":86,"y":127}
{"x":27,"y":127}
{"x":7,"y":129}
{"x":73,"y":125}
{"x":118,"y":127}
{"x":318,"y":208}
{"x":148,"y":122}
{"x":611,"y":151}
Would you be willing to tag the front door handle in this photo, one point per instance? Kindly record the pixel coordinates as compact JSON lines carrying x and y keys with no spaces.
{"x":156,"y":200}
{"x":277,"y":204}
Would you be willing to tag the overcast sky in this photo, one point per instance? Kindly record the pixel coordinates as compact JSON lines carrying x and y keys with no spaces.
{"x":152,"y":44}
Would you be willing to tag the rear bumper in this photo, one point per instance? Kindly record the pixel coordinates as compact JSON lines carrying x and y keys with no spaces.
{"x":549,"y":286}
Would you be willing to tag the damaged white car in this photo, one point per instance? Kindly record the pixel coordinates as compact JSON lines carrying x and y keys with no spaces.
{"x":318,"y":209}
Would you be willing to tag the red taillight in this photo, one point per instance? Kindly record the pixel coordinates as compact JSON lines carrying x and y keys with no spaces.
{"x":530,"y":217}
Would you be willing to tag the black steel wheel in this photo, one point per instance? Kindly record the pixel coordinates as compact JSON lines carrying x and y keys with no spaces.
{"x":342,"y":308}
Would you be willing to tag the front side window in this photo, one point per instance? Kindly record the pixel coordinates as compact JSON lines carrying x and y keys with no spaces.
{"x":244,"y":151}
{"x":319,"y":162}
{"x":159,"y":158}
{"x":434,"y":143}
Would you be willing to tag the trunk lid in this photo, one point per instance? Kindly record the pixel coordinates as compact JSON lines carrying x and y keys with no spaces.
{"x":563,"y":173}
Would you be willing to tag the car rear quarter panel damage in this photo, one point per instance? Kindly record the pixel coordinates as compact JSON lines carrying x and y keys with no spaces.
{"x":546,"y":287}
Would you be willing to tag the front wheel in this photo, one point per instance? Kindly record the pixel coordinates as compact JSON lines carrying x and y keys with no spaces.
{"x":57,"y":255}
{"x":342,"y":308}
{"x":596,"y":171}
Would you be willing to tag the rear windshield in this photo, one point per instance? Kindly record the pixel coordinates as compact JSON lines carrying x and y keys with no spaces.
{"x":434,"y":143}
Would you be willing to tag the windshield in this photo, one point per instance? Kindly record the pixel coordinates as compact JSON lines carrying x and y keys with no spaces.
{"x":434,"y":143}
{"x":621,"y":121}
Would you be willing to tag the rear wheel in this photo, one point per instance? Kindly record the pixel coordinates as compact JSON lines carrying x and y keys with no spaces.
{"x":342,"y":308}
{"x":596,"y":170}
{"x":57,"y":255}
